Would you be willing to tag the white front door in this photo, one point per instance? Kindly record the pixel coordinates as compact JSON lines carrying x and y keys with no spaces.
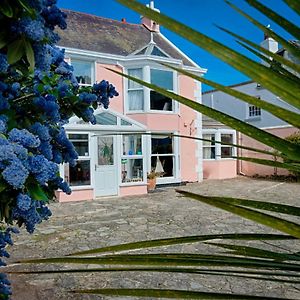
{"x":106,"y":179}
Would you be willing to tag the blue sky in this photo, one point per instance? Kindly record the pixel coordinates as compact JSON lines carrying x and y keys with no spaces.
{"x":200,"y":15}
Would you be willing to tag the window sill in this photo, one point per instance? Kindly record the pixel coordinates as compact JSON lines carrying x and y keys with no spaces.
{"x":250,"y":119}
{"x":133,"y":183}
{"x":81,"y":187}
{"x":217,"y":159}
{"x":164,"y":112}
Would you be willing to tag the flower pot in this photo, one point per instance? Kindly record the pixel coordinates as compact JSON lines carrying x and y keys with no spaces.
{"x":151,"y":184}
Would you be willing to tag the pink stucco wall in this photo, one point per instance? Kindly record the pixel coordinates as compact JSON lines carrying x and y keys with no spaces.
{"x":116,"y":103}
{"x":219,"y":169}
{"x":251,"y":169}
{"x":133,"y":190}
{"x":157,"y":121}
{"x":188,"y":147}
{"x":78,"y":195}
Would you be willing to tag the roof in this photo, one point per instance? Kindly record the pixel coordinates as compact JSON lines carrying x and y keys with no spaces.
{"x":93,"y":33}
{"x":231,"y":86}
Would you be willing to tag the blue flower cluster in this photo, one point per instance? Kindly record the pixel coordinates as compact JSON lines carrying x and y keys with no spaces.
{"x":34,"y":107}
{"x":104,"y":90}
{"x":30,"y":212}
{"x":5,"y":239}
{"x":40,"y":28}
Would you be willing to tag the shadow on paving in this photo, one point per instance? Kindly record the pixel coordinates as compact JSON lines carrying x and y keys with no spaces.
{"x":85,"y":225}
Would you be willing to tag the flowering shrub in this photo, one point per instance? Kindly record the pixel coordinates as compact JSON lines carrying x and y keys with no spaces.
{"x":38,"y":94}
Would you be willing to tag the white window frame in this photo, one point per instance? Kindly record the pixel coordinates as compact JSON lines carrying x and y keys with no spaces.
{"x":218,"y":146}
{"x":134,"y":156}
{"x":211,"y":146}
{"x":93,"y":69}
{"x":146,"y":77}
{"x":257,"y":110}
{"x":176,"y":158}
{"x":81,"y":158}
{"x":174,"y":90}
{"x":142,"y":88}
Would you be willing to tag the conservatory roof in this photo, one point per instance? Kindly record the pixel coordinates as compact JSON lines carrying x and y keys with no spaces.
{"x":108,"y":120}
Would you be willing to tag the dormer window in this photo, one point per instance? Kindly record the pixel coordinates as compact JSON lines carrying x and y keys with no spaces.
{"x":157,"y":52}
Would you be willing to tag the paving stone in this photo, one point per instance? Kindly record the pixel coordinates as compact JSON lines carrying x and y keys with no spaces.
{"x":103,"y":222}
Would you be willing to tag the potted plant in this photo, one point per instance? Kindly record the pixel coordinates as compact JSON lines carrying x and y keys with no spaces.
{"x":151,"y":181}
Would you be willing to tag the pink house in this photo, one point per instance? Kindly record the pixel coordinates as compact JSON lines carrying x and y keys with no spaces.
{"x":116,"y":154}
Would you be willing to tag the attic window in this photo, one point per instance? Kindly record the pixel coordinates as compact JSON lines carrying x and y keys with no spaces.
{"x":142,"y":52}
{"x":151,"y":49}
{"x":157,"y":52}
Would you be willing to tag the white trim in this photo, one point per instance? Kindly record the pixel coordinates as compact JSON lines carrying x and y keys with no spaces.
{"x":82,"y":54}
{"x":93,"y":67}
{"x":278,"y":127}
{"x":198,"y":125}
{"x":149,"y":48}
{"x":176,"y":157}
{"x":106,"y":58}
{"x":218,"y":146}
{"x":81,"y":158}
{"x":137,"y":126}
{"x":146,"y":95}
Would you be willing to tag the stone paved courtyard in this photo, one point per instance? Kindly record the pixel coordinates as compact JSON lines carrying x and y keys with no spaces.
{"x":85,"y":225}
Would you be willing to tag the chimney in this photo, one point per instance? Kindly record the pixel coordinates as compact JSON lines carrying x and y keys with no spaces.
{"x":150,"y":24}
{"x":269,"y":43}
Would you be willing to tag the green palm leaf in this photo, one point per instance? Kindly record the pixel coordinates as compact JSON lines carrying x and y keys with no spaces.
{"x":294,"y":4}
{"x":293,"y":49}
{"x":288,"y":148}
{"x":170,"y":259}
{"x":289,"y":116}
{"x":249,"y":274}
{"x":283,"y":22}
{"x":268,"y":220}
{"x":170,"y":294}
{"x":271,"y":163}
{"x":273,"y":81}
{"x":256,"y":252}
{"x":268,"y":206}
{"x":183,"y":240}
{"x":275,"y":56}
{"x":275,"y":65}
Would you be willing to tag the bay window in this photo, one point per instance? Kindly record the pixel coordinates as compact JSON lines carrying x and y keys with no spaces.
{"x":135,"y":91}
{"x":141,"y":99}
{"x":163,"y":79}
